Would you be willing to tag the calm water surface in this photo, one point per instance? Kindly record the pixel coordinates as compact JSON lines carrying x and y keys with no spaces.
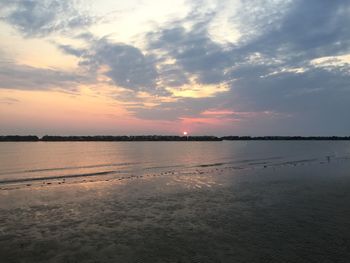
{"x":175,"y":202}
{"x":65,"y":159}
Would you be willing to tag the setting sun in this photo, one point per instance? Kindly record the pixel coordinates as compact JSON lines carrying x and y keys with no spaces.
{"x":185,"y":133}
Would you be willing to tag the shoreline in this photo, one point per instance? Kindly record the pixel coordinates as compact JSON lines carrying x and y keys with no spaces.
{"x":220,"y":216}
{"x":163,"y":138}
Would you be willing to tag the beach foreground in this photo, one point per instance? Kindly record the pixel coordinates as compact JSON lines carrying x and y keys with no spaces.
{"x":257,"y":212}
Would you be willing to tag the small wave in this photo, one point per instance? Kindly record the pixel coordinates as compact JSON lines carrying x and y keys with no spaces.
{"x":257,"y":160}
{"x":211,"y":164}
{"x":296,"y":162}
{"x":249,"y":161}
{"x":31,"y":179}
{"x":165,"y":166}
{"x":67,"y":168}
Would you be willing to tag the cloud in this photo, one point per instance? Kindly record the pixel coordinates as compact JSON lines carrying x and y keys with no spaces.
{"x":194,"y":53}
{"x":127,"y":65}
{"x":8,"y":100}
{"x":34,"y":18}
{"x":290,"y":91}
{"x":306,"y":30}
{"x":77,"y":52}
{"x":270,"y":68}
{"x":176,"y":109}
{"x":124,"y":64}
{"x":22,"y":77}
{"x":285,"y":59}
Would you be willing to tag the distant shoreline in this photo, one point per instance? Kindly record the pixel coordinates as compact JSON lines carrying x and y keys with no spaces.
{"x":47,"y":138}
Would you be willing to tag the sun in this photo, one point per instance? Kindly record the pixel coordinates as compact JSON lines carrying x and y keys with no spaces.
{"x":185,"y":133}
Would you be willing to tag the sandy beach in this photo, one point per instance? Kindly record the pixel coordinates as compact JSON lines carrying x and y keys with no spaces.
{"x":257,"y":212}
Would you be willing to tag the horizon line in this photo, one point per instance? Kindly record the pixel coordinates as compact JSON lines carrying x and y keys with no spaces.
{"x":106,"y":138}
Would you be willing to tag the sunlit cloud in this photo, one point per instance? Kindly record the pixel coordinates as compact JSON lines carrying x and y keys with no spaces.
{"x":332,"y":61}
{"x":197,"y":90}
{"x":214,"y":112}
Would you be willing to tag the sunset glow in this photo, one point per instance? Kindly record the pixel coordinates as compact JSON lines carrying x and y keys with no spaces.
{"x":174,"y":131}
{"x":85,"y":67}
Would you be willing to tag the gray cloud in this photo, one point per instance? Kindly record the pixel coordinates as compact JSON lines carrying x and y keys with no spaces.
{"x":126,"y":65}
{"x":185,"y":107}
{"x":78,"y":52}
{"x":22,"y":77}
{"x":278,"y":38}
{"x":39,"y":18}
{"x":289,"y":91}
{"x":286,"y":37}
{"x":195,"y":54}
{"x":307,"y":30}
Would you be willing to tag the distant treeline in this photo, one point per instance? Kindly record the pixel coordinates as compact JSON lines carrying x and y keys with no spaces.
{"x":130,"y":138}
{"x":18,"y":138}
{"x":285,"y":138}
{"x":47,"y":138}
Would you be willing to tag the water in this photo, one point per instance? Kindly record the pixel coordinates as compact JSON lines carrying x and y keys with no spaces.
{"x":35,"y":160}
{"x":255,"y":201}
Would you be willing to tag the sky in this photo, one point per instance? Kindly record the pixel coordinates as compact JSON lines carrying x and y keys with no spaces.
{"x":208,"y":67}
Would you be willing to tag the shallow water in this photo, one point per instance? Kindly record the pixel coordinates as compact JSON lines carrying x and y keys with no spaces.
{"x":175,"y":202}
{"x":34,"y":160}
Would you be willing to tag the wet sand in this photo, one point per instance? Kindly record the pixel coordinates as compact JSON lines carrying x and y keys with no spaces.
{"x":285,"y":212}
